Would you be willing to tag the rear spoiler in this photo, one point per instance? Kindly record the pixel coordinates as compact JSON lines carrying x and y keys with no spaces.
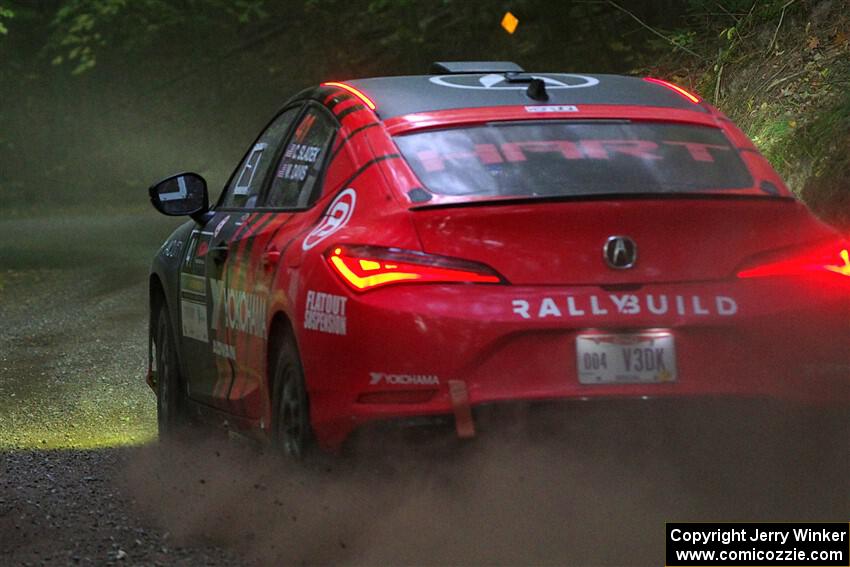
{"x":600,"y":197}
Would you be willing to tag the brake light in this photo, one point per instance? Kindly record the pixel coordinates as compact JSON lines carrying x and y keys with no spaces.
{"x":834,"y":258}
{"x":363,"y":98}
{"x":676,"y":88}
{"x":368,"y":267}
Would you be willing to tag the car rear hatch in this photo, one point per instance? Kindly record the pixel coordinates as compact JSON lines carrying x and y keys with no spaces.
{"x":538,"y":201}
{"x":676,"y":239}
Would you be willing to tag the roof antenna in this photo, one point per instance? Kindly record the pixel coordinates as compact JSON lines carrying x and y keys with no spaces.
{"x":537,"y":90}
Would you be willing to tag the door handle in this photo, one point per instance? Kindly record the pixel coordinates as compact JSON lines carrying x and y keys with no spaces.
{"x":219,"y":253}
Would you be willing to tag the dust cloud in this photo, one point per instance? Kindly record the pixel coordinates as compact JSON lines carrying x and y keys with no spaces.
{"x":589,"y":483}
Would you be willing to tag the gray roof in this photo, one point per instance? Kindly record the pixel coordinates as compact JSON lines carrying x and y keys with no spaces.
{"x":397,"y":96}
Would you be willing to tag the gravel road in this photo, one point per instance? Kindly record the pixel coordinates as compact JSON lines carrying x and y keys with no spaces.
{"x":84,"y":481}
{"x":74,"y":410}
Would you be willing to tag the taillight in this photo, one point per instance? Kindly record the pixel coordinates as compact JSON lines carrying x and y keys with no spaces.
{"x":368,"y":267}
{"x":825,"y":259}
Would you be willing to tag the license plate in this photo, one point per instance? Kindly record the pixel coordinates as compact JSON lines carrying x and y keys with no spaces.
{"x":633,"y":358}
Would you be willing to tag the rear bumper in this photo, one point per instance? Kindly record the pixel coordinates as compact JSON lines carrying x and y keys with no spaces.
{"x":782,"y":340}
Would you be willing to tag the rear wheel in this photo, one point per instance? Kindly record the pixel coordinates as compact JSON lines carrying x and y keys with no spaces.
{"x":291,"y":431}
{"x":169,"y":403}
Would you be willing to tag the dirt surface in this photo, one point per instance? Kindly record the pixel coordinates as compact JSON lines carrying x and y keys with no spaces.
{"x":83,"y":479}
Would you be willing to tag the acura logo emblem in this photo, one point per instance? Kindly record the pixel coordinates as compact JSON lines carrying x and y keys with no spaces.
{"x":620,"y":252}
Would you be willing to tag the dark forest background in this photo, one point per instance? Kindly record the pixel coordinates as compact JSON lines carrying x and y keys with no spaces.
{"x":101,"y":97}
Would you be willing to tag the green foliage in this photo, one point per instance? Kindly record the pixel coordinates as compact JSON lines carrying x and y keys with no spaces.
{"x":713,"y":6}
{"x":5,"y":13}
{"x":774,"y":66}
{"x":823,"y":145}
{"x":781,"y":73}
{"x":394,"y":35}
{"x":83,"y":29}
{"x":802,"y":146}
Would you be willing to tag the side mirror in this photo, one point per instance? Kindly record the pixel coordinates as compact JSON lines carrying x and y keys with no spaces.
{"x":181,"y":194}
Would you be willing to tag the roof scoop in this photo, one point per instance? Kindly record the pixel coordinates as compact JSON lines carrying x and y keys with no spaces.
{"x":461,"y":67}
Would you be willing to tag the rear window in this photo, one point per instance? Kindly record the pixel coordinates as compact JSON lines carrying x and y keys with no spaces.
{"x":574,"y":158}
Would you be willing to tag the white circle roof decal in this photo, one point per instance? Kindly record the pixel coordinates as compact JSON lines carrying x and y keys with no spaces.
{"x":499,"y":82}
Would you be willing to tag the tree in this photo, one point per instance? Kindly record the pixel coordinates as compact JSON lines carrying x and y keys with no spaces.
{"x":83,"y":29}
{"x":5,"y":13}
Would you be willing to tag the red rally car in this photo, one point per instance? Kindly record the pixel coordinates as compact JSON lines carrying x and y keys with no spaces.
{"x":400,"y":247}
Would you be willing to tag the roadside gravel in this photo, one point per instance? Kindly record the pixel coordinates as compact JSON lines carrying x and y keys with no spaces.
{"x":73,"y":411}
{"x":64,"y":507}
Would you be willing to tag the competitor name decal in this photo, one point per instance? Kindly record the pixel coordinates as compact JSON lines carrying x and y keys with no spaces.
{"x":624,"y":304}
{"x":325,"y":313}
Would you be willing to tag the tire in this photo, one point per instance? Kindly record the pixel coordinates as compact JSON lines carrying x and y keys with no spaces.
{"x":170,"y":414}
{"x":291,"y":431}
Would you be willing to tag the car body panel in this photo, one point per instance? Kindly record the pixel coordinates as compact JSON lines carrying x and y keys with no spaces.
{"x":164,"y":283}
{"x":475,"y":336}
{"x":393,"y":351}
{"x":679,"y":239}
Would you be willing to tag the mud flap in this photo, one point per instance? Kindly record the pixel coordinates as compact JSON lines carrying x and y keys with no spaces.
{"x":464,"y":425}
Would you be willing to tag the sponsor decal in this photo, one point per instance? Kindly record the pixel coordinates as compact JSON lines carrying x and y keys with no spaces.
{"x":190,"y":283}
{"x":235,"y":309}
{"x":552,"y":108}
{"x":499,"y":82}
{"x":224,"y":349}
{"x":337,"y":215}
{"x":194,"y":318}
{"x":241,"y":311}
{"x":325,"y":312}
{"x":376,"y":378}
{"x":624,"y":304}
